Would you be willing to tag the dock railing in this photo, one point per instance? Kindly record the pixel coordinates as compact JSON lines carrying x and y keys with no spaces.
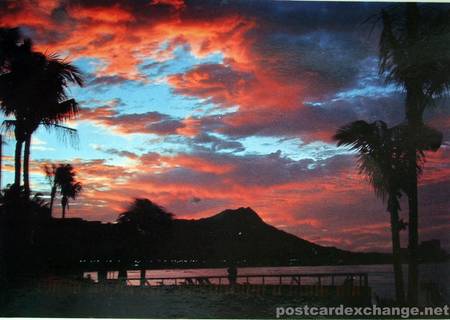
{"x":354,"y":286}
{"x":304,"y":279}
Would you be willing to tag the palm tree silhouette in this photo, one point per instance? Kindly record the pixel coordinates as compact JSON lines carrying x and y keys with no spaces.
{"x":69,"y":191}
{"x":383,"y":158}
{"x":34,"y":91}
{"x":143,"y":215}
{"x":415,"y":54}
{"x":144,"y":225}
{"x":15,"y":59}
{"x":62,"y":177}
{"x":54,"y":76}
{"x":50,"y":174}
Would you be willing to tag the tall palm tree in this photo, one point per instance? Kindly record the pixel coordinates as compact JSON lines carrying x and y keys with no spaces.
{"x":15,"y":66}
{"x":383,"y":158}
{"x":33,"y":90}
{"x":52,"y":78}
{"x":64,"y":178}
{"x":415,"y":54}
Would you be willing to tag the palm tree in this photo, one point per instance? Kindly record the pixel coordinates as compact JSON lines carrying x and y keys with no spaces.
{"x":64,"y":178}
{"x":52,"y":79}
{"x":383,"y":158}
{"x":415,"y":54}
{"x":50,"y":174}
{"x":144,"y":215}
{"x":382,"y":161}
{"x":33,"y":90}
{"x":69,"y":191}
{"x":145,"y":225}
{"x":15,"y":66}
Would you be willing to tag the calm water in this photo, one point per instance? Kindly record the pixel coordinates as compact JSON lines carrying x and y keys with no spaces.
{"x":381,"y":277}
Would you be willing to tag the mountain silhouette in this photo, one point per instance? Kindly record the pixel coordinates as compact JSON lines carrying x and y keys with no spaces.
{"x":240,"y":215}
{"x":242,"y":235}
{"x":238,"y":235}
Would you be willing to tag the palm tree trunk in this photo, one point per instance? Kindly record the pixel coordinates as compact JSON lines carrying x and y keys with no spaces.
{"x":413,"y":216}
{"x":413,"y":242}
{"x":26,"y":165}
{"x":52,"y":197}
{"x":63,"y":205}
{"x":414,"y":101}
{"x":18,"y":162}
{"x":396,"y":251}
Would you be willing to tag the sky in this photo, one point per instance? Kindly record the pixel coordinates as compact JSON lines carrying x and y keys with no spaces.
{"x":201,"y":106}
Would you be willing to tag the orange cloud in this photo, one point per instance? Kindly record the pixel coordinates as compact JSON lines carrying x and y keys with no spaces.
{"x":114,"y":14}
{"x":122,"y":35}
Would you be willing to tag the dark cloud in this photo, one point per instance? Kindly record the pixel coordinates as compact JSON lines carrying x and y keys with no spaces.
{"x":106,"y":81}
{"x":120,"y":153}
{"x":196,"y":200}
{"x":215,"y":143}
{"x":164,"y":127}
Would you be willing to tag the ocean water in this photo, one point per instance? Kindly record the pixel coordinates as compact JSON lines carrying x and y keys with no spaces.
{"x":381,"y":277}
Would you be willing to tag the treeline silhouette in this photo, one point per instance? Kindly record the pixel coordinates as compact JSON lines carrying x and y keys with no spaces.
{"x":146,"y":235}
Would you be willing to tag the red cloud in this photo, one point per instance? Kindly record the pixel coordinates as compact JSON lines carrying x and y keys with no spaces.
{"x":114,"y":14}
{"x":121,"y":35}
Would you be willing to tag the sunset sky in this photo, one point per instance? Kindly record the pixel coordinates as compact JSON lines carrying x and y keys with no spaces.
{"x":206,"y":105}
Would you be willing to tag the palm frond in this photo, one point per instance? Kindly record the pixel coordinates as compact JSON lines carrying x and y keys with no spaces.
{"x":415,"y":48}
{"x":66,"y":72}
{"x":50,"y":171}
{"x":8,"y":126}
{"x":64,"y":134}
{"x":62,"y":111}
{"x":381,"y":155}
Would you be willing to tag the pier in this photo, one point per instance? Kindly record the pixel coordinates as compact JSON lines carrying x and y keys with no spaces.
{"x":352,"y":286}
